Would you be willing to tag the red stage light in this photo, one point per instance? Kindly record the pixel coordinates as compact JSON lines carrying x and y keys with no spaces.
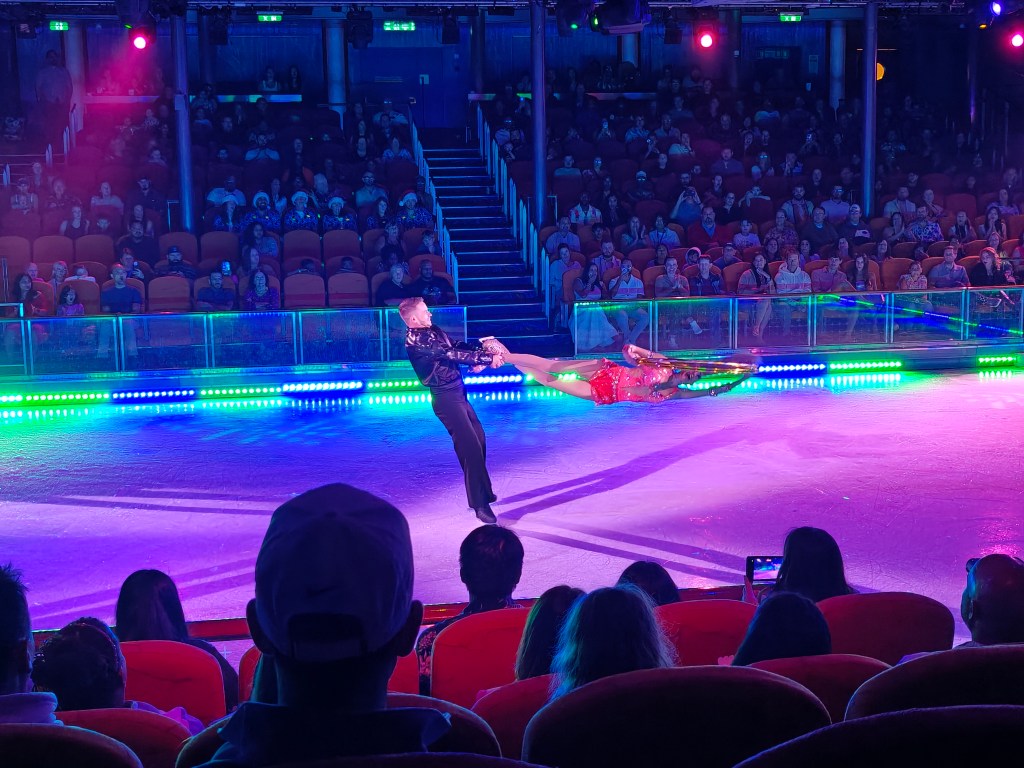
{"x":1017,"y":40}
{"x":139,"y":41}
{"x":706,"y":40}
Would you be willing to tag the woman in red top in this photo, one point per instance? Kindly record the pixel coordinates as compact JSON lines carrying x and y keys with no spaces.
{"x":652,"y":378}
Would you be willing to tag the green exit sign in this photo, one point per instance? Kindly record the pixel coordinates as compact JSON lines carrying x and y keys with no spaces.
{"x":59,"y":26}
{"x":399,"y":26}
{"x":790,"y":17}
{"x":269,"y":16}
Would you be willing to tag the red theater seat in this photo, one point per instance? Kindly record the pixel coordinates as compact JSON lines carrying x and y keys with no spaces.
{"x":476,"y":653}
{"x":711,"y":717}
{"x":61,"y":746}
{"x":833,"y":678}
{"x":168,"y":674}
{"x":701,"y":631}
{"x":510,"y":708}
{"x":155,"y":739}
{"x":887,"y":625}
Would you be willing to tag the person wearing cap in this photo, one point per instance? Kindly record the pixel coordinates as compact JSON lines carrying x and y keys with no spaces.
{"x":337,"y":217}
{"x":410,"y":214}
{"x":23,"y":198}
{"x":263,"y":213}
{"x":490,"y":565}
{"x":300,"y":216}
{"x":334,"y":610}
{"x":436,"y":358}
{"x":176,"y":265}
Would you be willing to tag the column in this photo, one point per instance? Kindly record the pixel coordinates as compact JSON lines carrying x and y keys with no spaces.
{"x":477,"y":53}
{"x":74,"y":60}
{"x":629,"y":49}
{"x":972,"y":78}
{"x":538,"y":32}
{"x":735,"y":42}
{"x":181,"y":103}
{"x":870,"y":107}
{"x":334,"y":34}
{"x":206,"y":54}
{"x":836,"y":61}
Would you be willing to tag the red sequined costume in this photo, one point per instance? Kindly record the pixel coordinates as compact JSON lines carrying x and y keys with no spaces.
{"x":616,"y":384}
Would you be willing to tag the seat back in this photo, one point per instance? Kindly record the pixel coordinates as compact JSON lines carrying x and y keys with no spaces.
{"x":950,"y":736}
{"x":960,"y":677}
{"x":18,"y":252}
{"x":887,"y":625}
{"x":186,"y":242}
{"x":341,"y":242}
{"x":155,"y":739}
{"x":50,"y":248}
{"x":701,"y":631}
{"x":671,"y":716}
{"x":222,"y":246}
{"x":302,"y":244}
{"x":168,"y":674}
{"x":406,"y":676}
{"x":892,"y":271}
{"x":348,"y":289}
{"x":170,"y":294}
{"x":304,"y":292}
{"x":510,"y":708}
{"x":95,"y":248}
{"x":59,"y":746}
{"x":832,"y":677}
{"x":476,"y":653}
{"x":247,"y":672}
{"x":469,"y":733}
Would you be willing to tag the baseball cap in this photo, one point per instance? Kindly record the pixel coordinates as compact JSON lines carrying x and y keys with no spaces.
{"x":334,"y":575}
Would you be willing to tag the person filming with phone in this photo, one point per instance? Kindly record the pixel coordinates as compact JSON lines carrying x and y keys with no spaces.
{"x":627,"y":287}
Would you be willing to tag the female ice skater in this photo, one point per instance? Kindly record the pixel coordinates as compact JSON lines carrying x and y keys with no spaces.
{"x":653,"y":378}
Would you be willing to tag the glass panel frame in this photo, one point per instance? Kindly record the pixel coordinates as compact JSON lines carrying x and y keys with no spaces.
{"x":698,"y":324}
{"x":165,"y":342}
{"x":331,"y":338}
{"x":253,"y":339}
{"x":75,"y":345}
{"x":994,"y":315}
{"x":921,"y":317}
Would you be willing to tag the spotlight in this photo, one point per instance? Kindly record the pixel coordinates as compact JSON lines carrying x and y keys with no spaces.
{"x":996,"y":8}
{"x":1017,"y":40}
{"x":622,"y":17}
{"x":704,"y":34}
{"x":140,"y":40}
{"x":571,"y":15}
{"x":359,"y":28}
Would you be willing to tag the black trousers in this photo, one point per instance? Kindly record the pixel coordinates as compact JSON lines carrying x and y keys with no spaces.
{"x":459,"y":418}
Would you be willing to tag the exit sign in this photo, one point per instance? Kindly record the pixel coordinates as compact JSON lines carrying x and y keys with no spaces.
{"x":59,"y":26}
{"x":269,"y":16}
{"x":399,"y":26}
{"x":790,"y":17}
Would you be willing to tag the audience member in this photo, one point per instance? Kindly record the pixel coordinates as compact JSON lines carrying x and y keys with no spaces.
{"x":948,"y":274}
{"x":261,"y":296}
{"x":812,"y":565}
{"x":608,"y":632}
{"x":434,"y":290}
{"x":992,"y":606}
{"x":215,"y":297}
{"x":786,"y":625}
{"x":75,"y":226}
{"x":490,"y":565}
{"x":540,"y":635}
{"x":627,"y":287}
{"x":652,"y":579}
{"x":149,"y":608}
{"x":143,"y":247}
{"x":176,"y":265}
{"x":562,"y":235}
{"x":18,"y":704}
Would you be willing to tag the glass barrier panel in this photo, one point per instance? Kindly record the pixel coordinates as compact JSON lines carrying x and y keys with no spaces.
{"x":773,"y":321}
{"x":923,"y":316}
{"x":12,"y":354}
{"x":352,"y":336}
{"x":451,"y":319}
{"x":592,"y":330}
{"x":849,"y":318}
{"x":693,"y":324}
{"x":994,"y":314}
{"x":252,"y":339}
{"x":164,"y":342}
{"x":630,"y":323}
{"x":75,"y":345}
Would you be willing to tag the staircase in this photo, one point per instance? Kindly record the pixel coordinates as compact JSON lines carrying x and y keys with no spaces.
{"x":494,"y":284}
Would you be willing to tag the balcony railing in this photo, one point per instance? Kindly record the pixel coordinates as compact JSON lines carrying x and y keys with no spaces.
{"x":230,"y":340}
{"x":960,"y":317}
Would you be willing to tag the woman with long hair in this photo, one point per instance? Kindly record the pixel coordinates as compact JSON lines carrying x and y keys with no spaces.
{"x":590,"y":328}
{"x":785,"y":626}
{"x":860,"y":275}
{"x":149,"y":608}
{"x":608,"y":632}
{"x":812,"y":565}
{"x":757,"y":281}
{"x":540,"y":635}
{"x":993,"y":223}
{"x":652,"y":579}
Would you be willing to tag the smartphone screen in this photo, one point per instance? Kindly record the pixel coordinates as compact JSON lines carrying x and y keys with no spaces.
{"x":763,"y":569}
{"x":225,"y":267}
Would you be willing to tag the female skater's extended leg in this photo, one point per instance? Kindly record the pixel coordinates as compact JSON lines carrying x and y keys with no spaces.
{"x":579,"y":367}
{"x":540,"y":369}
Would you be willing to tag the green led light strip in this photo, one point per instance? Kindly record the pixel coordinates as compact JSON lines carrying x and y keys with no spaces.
{"x":866,"y":365}
{"x":998,"y":360}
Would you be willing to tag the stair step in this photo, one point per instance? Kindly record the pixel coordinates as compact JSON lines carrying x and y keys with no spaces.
{"x":498,"y":268}
{"x":458,"y":172}
{"x":476,"y":312}
{"x":461,"y":222}
{"x":446,"y":152}
{"x":496,"y":283}
{"x":482,"y":246}
{"x":478,"y":296}
{"x":507,"y":326}
{"x":467,"y":190}
{"x":466,"y":230}
{"x":471,"y":258}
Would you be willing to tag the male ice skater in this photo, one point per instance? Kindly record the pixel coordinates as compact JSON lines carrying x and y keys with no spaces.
{"x":436,"y":360}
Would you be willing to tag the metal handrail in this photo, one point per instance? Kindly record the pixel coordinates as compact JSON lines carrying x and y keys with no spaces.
{"x":441,"y":231}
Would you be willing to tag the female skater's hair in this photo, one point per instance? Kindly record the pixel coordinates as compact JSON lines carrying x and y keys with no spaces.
{"x":607,"y":632}
{"x":812,"y":565}
{"x":537,"y":648}
{"x":82,"y":665}
{"x":653,"y":579}
{"x":786,"y":625}
{"x":149,"y":608}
